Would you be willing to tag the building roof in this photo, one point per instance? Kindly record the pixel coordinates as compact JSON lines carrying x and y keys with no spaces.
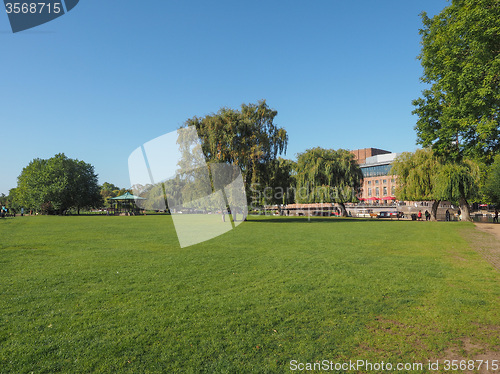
{"x":127,"y":196}
{"x":384,"y":159}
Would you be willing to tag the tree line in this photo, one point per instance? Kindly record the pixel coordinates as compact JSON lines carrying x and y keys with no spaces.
{"x":247,"y":138}
{"x":424,"y":175}
{"x":250,"y":139}
{"x":458,"y":127}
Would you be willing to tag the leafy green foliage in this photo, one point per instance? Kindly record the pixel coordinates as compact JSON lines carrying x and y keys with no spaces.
{"x":247,"y":137}
{"x":492,"y":184}
{"x":415,"y":171}
{"x":57,"y":184}
{"x":9,"y":200}
{"x":459,"y":113}
{"x":282,"y":181}
{"x":456,"y":181}
{"x":327,"y":175}
{"x":109,"y":190}
{"x":423,"y":175}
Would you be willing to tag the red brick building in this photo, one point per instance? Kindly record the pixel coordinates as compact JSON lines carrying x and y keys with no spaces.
{"x":378,"y":184}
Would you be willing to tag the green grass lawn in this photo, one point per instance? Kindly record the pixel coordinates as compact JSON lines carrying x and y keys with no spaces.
{"x":118,"y":294}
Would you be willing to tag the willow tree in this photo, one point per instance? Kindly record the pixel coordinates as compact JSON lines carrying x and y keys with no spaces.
{"x":415,"y":172}
{"x":327,"y":176}
{"x":282,"y":182}
{"x":248,"y":138}
{"x":459,"y":113}
{"x":458,"y":182}
{"x":422,"y":175}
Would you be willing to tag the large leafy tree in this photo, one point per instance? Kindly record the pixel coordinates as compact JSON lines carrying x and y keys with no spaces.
{"x":415,"y":172}
{"x":248,"y":138}
{"x":492,"y":184}
{"x":459,"y":112}
{"x":327,"y":175}
{"x":58,"y":184}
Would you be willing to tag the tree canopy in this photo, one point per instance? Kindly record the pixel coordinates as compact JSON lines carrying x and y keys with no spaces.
{"x":57,"y":184}
{"x":458,"y":182}
{"x":459,"y":112}
{"x":492,"y":184}
{"x":109,"y":190}
{"x":282,"y":181}
{"x":327,"y":175}
{"x":415,"y":172}
{"x":248,"y":138}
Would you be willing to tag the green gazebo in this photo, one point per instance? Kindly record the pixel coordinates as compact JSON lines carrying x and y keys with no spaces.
{"x":125,"y":203}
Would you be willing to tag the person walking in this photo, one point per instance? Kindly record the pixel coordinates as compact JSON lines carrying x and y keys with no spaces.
{"x":427,"y":215}
{"x":447,"y":215}
{"x":495,"y":218}
{"x":419,"y":215}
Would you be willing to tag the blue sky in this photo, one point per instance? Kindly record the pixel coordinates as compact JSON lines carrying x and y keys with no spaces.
{"x":112,"y":75}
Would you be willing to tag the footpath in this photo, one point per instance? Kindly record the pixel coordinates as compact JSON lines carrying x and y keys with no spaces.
{"x":487,"y":245}
{"x":490,"y":228}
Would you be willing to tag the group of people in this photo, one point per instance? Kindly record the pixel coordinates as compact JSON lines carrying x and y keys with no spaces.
{"x":8,"y":212}
{"x":426,"y":214}
{"x":448,"y":215}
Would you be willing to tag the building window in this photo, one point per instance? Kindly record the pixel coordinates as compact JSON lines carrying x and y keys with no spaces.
{"x":369,"y":192}
{"x":369,"y":183}
{"x":385,"y":181}
{"x":376,"y":171}
{"x":377,"y":191}
{"x":385,"y":191}
{"x":392,"y":180}
{"x":393,"y":190}
{"x":376,"y":182}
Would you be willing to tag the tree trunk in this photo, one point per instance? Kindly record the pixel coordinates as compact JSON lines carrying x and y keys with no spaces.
{"x":464,"y":209}
{"x":343,"y":211}
{"x":434,"y":210}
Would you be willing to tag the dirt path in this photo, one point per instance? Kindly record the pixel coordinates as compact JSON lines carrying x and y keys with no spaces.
{"x":490,"y":228}
{"x":486,"y":240}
